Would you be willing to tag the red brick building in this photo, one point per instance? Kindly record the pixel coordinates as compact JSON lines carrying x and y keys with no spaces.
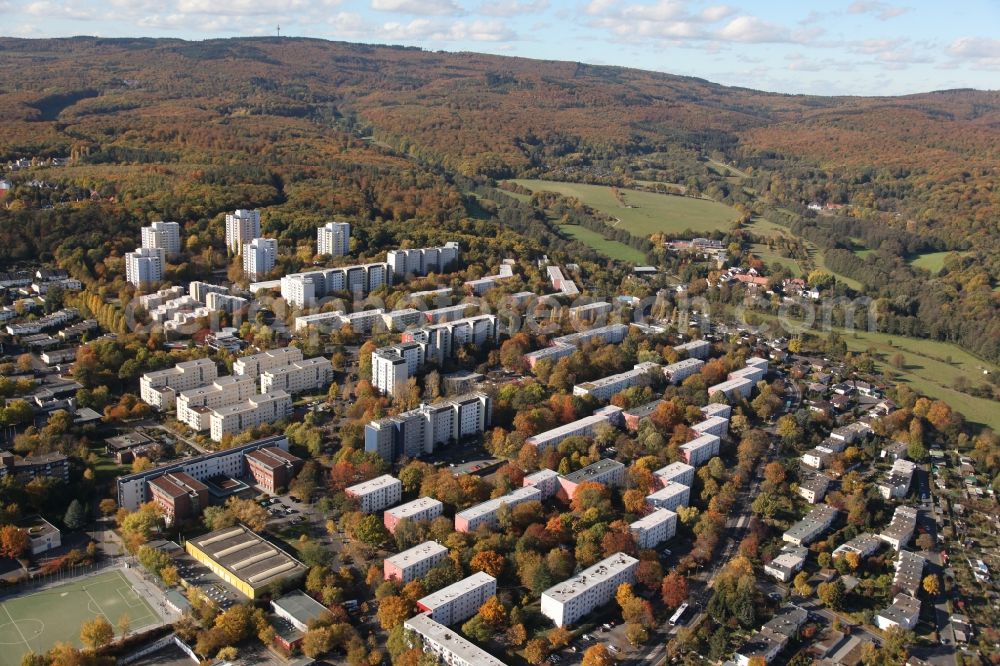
{"x":181,"y":495}
{"x":273,"y":468}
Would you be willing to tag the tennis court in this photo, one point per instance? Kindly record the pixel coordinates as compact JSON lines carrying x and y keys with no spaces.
{"x":36,"y":622}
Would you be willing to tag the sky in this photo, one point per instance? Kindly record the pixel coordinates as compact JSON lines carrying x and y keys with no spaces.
{"x":836,"y":47}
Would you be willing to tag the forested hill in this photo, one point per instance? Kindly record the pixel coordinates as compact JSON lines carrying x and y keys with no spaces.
{"x":194,"y":128}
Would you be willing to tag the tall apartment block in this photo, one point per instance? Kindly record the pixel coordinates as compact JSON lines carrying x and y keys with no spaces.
{"x":377,"y":494}
{"x":419,"y":431}
{"x":159,"y":389}
{"x":445,"y":339}
{"x":334,"y":238}
{"x":303,"y":289}
{"x":242,"y":226}
{"x":259,"y":256}
{"x":393,"y":366}
{"x":421,"y":261}
{"x":144,"y":266}
{"x":164,"y":236}
{"x":572,"y":599}
{"x":414,"y":563}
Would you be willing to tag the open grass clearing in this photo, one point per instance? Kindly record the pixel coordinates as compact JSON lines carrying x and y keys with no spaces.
{"x":932,"y":262}
{"x":609,"y":248}
{"x":646,"y":213}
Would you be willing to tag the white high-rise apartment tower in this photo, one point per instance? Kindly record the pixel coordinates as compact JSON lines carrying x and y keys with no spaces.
{"x":144,"y":266}
{"x":258,"y":257}
{"x":334,"y":238}
{"x":242,"y":227}
{"x":165,"y":236}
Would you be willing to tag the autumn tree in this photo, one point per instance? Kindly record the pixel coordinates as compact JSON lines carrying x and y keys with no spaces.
{"x":14,"y":542}
{"x":96,"y":633}
{"x":536,"y":651}
{"x":393,"y":610}
{"x":931,"y":585}
{"x":598,"y":655}
{"x":674,"y":590}
{"x":489,"y":562}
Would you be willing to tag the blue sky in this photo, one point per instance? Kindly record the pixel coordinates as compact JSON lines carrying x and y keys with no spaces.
{"x":859,"y":47}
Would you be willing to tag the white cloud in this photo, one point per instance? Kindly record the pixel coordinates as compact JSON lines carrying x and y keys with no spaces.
{"x":752,"y":30}
{"x":717,"y":13}
{"x":513,"y":7}
{"x":419,"y":7}
{"x":66,"y":10}
{"x":882,"y":10}
{"x":235,"y":7}
{"x":979,"y":52}
{"x":458,"y":31}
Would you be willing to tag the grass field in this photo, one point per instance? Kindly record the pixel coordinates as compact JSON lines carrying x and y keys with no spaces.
{"x":762,"y":227}
{"x":649,"y":212}
{"x":609,"y":248}
{"x":928,"y":370}
{"x":36,"y":622}
{"x":932,"y":262}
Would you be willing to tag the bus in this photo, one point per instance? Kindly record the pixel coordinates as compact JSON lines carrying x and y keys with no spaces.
{"x":675,"y":619}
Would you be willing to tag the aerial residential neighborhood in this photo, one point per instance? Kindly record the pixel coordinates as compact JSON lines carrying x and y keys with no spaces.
{"x":406,"y":354}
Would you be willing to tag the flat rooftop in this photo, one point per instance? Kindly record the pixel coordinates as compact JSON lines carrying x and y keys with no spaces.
{"x":596,"y":469}
{"x":588,"y":578}
{"x":513,"y":497}
{"x":653,"y":519}
{"x":379,"y":482}
{"x":451,"y":641}
{"x":414,"y":507}
{"x":455,"y":590}
{"x":247,"y":556}
{"x":416,"y":554}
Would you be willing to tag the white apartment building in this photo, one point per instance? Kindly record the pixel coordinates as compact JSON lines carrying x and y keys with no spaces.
{"x":259,"y":256}
{"x":700,"y":450}
{"x":896,"y":484}
{"x":486,"y":513}
{"x":732,"y":388}
{"x":567,"y":344}
{"x":903,"y":613}
{"x":813,"y":489}
{"x":810,"y":528}
{"x":399,"y":320}
{"x":459,"y":601}
{"x":678,"y":372}
{"x":242,"y":226}
{"x":310,"y":374}
{"x":194,"y":406}
{"x":670,"y":496}
{"x":361,"y":322}
{"x":585,"y":427}
{"x":694,"y":349}
{"x":164,"y":236}
{"x":255,"y":365}
{"x":413,"y":564}
{"x":655,"y":528}
{"x":421,"y":261}
{"x":152,"y":301}
{"x":256,"y":410}
{"x":713,"y":425}
{"x":418,"y":431}
{"x":424,"y":508}
{"x":334,"y":238}
{"x":144,"y":266}
{"x":199,"y":291}
{"x":790,"y":560}
{"x":900,"y":529}
{"x":817,"y":457}
{"x":447,"y":645}
{"x":393,"y":366}
{"x":303,"y":289}
{"x":590,"y":311}
{"x":719,"y":409}
{"x":595,"y":586}
{"x":546,"y":480}
{"x":445,"y":339}
{"x":159,"y":389}
{"x":676,"y":472}
{"x":603,"y":389}
{"x":225,"y":302}
{"x":377,"y":494}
